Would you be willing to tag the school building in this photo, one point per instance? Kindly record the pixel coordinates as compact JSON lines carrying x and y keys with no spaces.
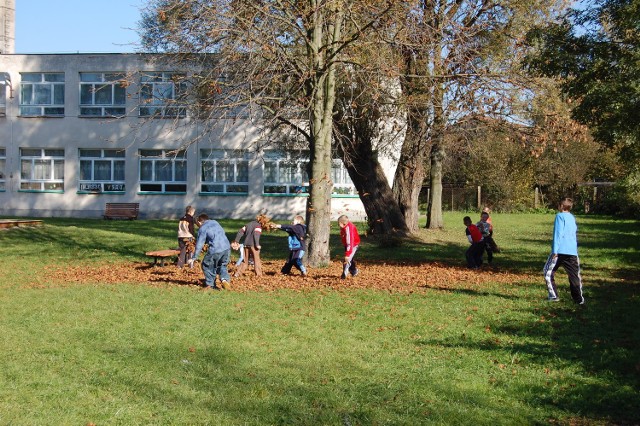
{"x":78,"y":131}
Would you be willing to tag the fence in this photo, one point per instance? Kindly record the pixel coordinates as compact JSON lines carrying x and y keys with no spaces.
{"x":588,"y":197}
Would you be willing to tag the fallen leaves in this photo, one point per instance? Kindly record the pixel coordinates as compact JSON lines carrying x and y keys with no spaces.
{"x":395,"y":277}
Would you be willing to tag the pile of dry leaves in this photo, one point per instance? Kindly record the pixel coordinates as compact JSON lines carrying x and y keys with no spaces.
{"x":389,"y":276}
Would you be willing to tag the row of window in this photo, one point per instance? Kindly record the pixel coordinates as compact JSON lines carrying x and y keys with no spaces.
{"x":103,"y":94}
{"x":165,"y":171}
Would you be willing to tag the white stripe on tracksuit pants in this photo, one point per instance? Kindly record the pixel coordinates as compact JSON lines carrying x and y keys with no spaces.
{"x":350,"y":264}
{"x":571,"y":264}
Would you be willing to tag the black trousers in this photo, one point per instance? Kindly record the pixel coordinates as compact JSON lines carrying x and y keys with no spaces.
{"x":474,"y":254}
{"x":571,"y":264}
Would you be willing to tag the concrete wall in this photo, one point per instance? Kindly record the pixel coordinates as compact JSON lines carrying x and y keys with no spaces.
{"x":131,"y":133}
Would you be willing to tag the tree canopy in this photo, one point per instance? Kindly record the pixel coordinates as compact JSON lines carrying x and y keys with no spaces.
{"x":277,"y":60}
{"x":595,"y":50}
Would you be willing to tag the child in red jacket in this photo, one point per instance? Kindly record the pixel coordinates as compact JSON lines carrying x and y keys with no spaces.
{"x":350,"y":240}
{"x":474,"y":235}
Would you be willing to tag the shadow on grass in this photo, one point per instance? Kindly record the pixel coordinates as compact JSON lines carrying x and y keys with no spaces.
{"x":603,"y":339}
{"x":91,"y":239}
{"x":470,"y":292}
{"x":329,"y":390}
{"x":82,"y":239}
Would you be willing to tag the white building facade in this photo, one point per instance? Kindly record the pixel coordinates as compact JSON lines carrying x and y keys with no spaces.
{"x":80,"y":130}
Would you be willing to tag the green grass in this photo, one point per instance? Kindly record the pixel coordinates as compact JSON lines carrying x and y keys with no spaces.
{"x":496,"y":354}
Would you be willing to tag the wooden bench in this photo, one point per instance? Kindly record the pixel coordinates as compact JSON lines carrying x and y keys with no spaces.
{"x":121,"y":211}
{"x":162,"y":255}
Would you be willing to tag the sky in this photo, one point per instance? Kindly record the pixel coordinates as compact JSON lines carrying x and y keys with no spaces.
{"x":77,"y":26}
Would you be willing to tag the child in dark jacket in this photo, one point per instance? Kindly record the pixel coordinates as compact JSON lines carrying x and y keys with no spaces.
{"x":297,"y":246}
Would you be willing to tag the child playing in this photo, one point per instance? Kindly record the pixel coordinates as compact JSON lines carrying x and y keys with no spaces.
{"x":473,"y":253}
{"x":186,"y":236}
{"x":251,"y":233}
{"x":215,"y":261}
{"x":350,"y":241}
{"x":297,"y":245}
{"x":564,"y":252}
{"x":486,"y":228}
{"x":240,"y":249}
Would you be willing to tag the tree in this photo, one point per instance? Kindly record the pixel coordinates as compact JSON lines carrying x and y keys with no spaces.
{"x":362,"y":131}
{"x":596,"y":53}
{"x":458,"y":59}
{"x":276,"y":61}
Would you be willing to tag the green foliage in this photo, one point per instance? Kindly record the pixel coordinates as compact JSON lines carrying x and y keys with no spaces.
{"x":596,"y":50}
{"x":508,"y":162}
{"x":623,"y":199}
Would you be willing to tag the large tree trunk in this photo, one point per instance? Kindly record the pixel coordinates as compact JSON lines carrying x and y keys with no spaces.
{"x":410,"y":173}
{"x":383,"y":212}
{"x":434,"y":211}
{"x":319,"y":201}
{"x":326,"y":31}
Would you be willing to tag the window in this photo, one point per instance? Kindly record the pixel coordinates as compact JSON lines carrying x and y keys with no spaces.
{"x":163,"y":171}
{"x":101,"y":170}
{"x":161,"y":94}
{"x":285,"y":173}
{"x":42,"y":169}
{"x":102,"y":94}
{"x":3,"y":165}
{"x":224,"y":171}
{"x":342,"y":184}
{"x":42,"y":94}
{"x":3,"y":96}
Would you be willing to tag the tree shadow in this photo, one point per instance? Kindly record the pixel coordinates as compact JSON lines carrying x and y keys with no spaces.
{"x":603,"y":339}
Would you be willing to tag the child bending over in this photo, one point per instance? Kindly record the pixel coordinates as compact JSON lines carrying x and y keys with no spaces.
{"x":350,"y":241}
{"x":297,"y":246}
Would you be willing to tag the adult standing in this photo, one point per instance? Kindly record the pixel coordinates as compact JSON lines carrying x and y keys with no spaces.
{"x":564,"y":252}
{"x":215,"y":261}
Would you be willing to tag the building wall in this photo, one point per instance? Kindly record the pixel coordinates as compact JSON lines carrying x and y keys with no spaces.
{"x":7,"y":26}
{"x":130,"y":133}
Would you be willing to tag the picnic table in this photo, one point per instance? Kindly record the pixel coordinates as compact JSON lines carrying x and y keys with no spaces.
{"x":162,"y":255}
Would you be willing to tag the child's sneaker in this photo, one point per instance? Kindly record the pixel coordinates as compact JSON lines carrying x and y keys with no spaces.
{"x":354,"y":273}
{"x":553,"y":299}
{"x":225,"y":285}
{"x":343,"y":276}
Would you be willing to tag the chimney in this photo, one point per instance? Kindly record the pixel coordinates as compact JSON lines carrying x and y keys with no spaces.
{"x":7,"y":26}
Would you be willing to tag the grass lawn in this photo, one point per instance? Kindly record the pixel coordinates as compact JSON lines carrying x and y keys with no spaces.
{"x":495,"y":353}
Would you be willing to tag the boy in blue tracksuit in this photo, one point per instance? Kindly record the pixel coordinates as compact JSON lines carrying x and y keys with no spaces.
{"x":297,"y":233}
{"x":564,"y":252}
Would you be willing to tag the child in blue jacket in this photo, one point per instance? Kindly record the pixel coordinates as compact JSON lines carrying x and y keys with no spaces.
{"x":564,"y":252}
{"x":297,"y":234}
